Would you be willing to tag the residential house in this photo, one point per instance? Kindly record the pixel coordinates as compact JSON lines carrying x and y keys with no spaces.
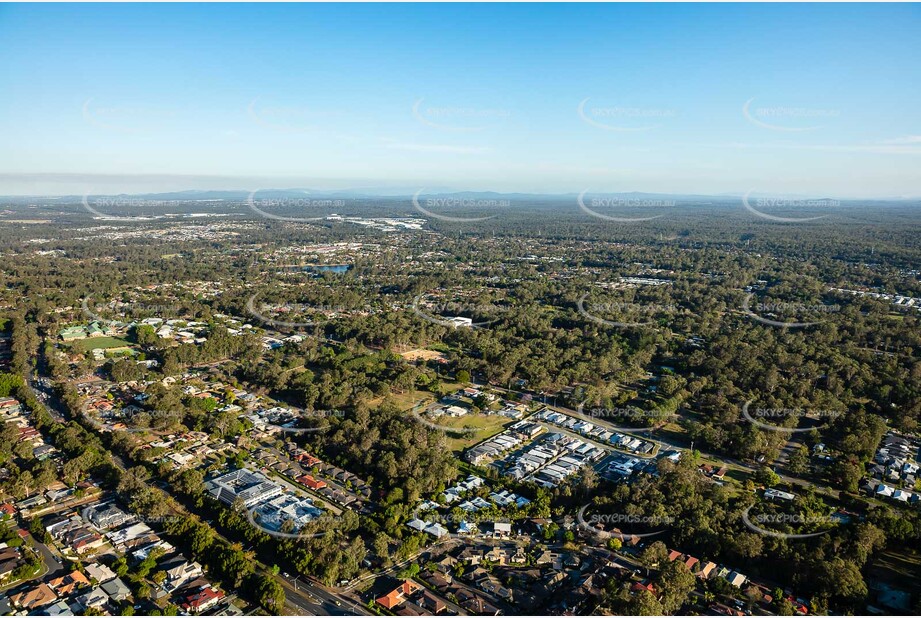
{"x":736,"y":579}
{"x":775,"y":494}
{"x":689,"y":561}
{"x":180,"y":571}
{"x":61,"y":608}
{"x":490,"y":584}
{"x":35,"y":597}
{"x":116,"y":589}
{"x":398,"y":595}
{"x":202,"y":599}
{"x":132,"y":536}
{"x":311,"y":482}
{"x":83,"y":540}
{"x":95,"y":598}
{"x":643,"y":586}
{"x":476,"y":604}
{"x":99,"y":572}
{"x":502,"y":529}
{"x":66,"y":584}
{"x":7,"y":566}
{"x":446,"y":565}
{"x":439,"y":581}
{"x":497,"y":555}
{"x":431,"y":602}
{"x":410,"y":609}
{"x":31,"y":502}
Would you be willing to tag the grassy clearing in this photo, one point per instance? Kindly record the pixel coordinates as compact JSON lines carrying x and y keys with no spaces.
{"x":899,"y":567}
{"x":672,"y":432}
{"x":406,"y":400}
{"x":486,"y":426}
{"x":100,"y":342}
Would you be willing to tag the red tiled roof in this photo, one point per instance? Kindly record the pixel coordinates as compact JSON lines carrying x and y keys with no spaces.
{"x":68,"y":583}
{"x":202,"y":597}
{"x":391,"y":599}
{"x":409,"y":587}
{"x":308,"y":459}
{"x":399,"y":594}
{"x":637,"y":587}
{"x":311,"y":482}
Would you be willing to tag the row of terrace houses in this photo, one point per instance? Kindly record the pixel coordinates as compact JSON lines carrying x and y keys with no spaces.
{"x":598,"y":432}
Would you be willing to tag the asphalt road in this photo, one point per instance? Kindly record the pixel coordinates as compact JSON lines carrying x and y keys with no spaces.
{"x":53,"y":563}
{"x":317,"y":600}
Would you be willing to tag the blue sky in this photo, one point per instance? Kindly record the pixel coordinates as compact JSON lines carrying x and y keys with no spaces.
{"x":798,"y":99}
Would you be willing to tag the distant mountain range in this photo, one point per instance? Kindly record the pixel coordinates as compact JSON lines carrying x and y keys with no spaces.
{"x":405,"y":194}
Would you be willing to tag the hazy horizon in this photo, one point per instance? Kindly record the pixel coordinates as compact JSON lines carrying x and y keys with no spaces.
{"x":407,"y":193}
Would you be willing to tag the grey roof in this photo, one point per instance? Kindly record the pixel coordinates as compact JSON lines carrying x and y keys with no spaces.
{"x":92,"y":597}
{"x":61,"y":608}
{"x":117,"y":589}
{"x":244,"y":484}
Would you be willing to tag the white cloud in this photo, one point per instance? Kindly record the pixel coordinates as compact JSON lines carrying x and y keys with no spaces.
{"x":908,"y":139}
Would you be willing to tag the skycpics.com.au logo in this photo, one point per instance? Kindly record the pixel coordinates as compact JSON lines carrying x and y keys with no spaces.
{"x":125,"y":118}
{"x":92,"y":205}
{"x":131,"y":309}
{"x":318,"y":208}
{"x":423,"y":414}
{"x":295,"y":119}
{"x":457,"y":118}
{"x":787,"y":119}
{"x":621,"y":414}
{"x":429,"y":309}
{"x":301,"y":524}
{"x":632,"y":309}
{"x":136,"y":421}
{"x":621,"y":203}
{"x":263,"y":311}
{"x":623,"y":119}
{"x":441,"y":524}
{"x":763,"y":417}
{"x":781,"y":204}
{"x":455,"y":204}
{"x":298,"y":421}
{"x":762,"y":523}
{"x":780,"y":308}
